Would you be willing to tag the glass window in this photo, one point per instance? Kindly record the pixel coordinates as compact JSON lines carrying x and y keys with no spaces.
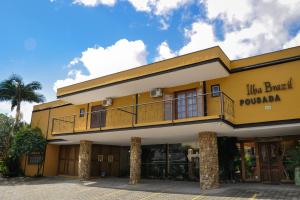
{"x":186,"y":104}
{"x":35,"y":159}
{"x":215,"y":90}
{"x":81,"y":112}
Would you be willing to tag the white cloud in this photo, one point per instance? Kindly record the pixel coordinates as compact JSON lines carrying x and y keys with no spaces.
{"x":200,"y":36}
{"x":164,"y":52}
{"x":158,"y":7}
{"x":26,"y":110}
{"x":233,"y":11}
{"x":93,"y":3}
{"x":250,"y":28}
{"x":101,"y":61}
{"x":293,"y":42}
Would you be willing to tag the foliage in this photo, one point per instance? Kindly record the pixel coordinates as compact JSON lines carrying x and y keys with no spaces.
{"x":16,"y":91}
{"x":28,"y":140}
{"x":6,"y":128}
{"x":293,"y":157}
{"x":229,"y":158}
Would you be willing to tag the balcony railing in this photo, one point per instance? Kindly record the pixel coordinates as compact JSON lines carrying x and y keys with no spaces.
{"x":168,"y":110}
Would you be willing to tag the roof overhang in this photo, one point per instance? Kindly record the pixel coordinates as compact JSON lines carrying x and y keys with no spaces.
{"x":208,"y":70}
{"x":151,"y":135}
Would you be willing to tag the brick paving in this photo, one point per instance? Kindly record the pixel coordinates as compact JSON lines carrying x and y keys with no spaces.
{"x":116,"y":188}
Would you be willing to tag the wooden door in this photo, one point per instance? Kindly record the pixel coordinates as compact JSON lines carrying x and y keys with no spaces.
{"x":68,"y":160}
{"x":109,"y":162}
{"x":270,"y":162}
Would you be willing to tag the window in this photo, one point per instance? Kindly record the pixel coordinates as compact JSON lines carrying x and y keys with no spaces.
{"x":35,"y":159}
{"x":215,"y":90}
{"x":81,"y":112}
{"x":186,"y":104}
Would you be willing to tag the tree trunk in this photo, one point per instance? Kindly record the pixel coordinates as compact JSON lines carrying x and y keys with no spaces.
{"x":18,"y":114}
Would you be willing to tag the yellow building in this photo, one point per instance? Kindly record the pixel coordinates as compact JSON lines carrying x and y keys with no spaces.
{"x":166,"y":119}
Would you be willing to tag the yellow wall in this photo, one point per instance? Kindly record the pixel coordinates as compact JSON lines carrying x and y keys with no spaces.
{"x":51,"y":160}
{"x":235,"y":87}
{"x":50,"y":165}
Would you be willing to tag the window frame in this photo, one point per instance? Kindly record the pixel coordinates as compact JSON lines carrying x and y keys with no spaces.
{"x":186,"y":103}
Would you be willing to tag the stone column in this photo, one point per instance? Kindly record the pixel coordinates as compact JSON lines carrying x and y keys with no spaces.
{"x":208,"y":161}
{"x":85,"y":152}
{"x":135,"y":160}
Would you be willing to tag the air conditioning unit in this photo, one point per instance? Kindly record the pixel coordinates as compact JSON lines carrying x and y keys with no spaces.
{"x":157,"y":92}
{"x":107,"y":102}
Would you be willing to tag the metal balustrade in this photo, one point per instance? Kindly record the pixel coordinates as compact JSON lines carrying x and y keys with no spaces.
{"x":161,"y":111}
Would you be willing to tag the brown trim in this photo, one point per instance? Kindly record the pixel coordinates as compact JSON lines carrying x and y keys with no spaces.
{"x":267,"y":123}
{"x":50,"y":108}
{"x":265,"y":64}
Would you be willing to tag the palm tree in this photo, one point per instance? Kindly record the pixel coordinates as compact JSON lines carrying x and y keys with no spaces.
{"x":13,"y":89}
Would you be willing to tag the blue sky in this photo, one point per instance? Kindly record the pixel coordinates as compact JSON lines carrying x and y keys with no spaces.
{"x":60,"y":42}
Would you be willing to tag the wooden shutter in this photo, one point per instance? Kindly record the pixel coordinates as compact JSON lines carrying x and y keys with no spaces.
{"x":98,"y":118}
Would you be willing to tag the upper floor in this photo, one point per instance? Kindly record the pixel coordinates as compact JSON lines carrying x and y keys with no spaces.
{"x":201,"y":86}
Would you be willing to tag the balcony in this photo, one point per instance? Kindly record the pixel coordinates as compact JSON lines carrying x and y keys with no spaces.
{"x":169,"y":111}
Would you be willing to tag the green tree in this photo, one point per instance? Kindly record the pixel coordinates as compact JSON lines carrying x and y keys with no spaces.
{"x":6,"y":129}
{"x":16,"y":91}
{"x":28,"y":140}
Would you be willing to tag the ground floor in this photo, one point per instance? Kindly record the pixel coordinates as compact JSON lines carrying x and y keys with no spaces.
{"x":118,"y":188}
{"x":209,"y":160}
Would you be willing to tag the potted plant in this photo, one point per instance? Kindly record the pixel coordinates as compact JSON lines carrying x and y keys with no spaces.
{"x":293,"y":162}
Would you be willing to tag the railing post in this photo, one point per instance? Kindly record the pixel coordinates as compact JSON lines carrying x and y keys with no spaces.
{"x":74,"y":118}
{"x":132,"y":117}
{"x":222,"y":104}
{"x":100,"y":119}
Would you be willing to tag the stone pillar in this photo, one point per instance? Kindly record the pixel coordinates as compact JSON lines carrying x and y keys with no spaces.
{"x":135,"y":160}
{"x":208,"y":161}
{"x":84,"y":164}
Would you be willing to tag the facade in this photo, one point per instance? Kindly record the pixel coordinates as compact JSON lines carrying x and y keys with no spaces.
{"x":168,"y":119}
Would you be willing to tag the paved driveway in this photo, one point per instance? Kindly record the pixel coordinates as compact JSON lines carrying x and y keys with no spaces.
{"x":114,"y":188}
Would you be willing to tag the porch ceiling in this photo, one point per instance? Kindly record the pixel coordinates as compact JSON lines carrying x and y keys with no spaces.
{"x":180,"y":76}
